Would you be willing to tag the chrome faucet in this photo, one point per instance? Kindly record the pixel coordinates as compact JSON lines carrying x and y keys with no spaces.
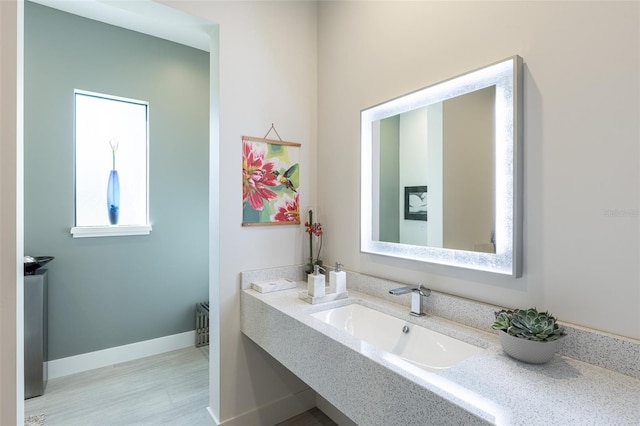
{"x":417,"y":291}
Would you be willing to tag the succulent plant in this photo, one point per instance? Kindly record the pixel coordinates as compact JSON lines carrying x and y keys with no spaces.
{"x":528,"y":324}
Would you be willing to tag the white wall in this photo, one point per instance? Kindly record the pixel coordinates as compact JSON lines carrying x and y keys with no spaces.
{"x":581,"y":140}
{"x":11,"y":294}
{"x":268,"y":74}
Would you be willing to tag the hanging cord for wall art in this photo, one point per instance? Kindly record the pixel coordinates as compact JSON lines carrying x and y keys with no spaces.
{"x":274,"y":129}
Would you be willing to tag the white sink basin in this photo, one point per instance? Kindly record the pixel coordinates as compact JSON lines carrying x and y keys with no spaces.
{"x":427,"y":349}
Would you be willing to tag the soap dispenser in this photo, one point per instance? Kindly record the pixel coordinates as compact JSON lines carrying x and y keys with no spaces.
{"x":315,"y":282}
{"x":338,"y":278}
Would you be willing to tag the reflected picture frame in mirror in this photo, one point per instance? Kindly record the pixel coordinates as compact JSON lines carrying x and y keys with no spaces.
{"x":506,"y":76}
{"x":415,"y":203}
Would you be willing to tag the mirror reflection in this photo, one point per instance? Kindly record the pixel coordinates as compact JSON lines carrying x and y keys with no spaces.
{"x":436,"y":172}
{"x":440,"y":172}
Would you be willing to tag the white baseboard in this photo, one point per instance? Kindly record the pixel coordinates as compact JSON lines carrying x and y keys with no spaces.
{"x":106,"y":357}
{"x":211,"y":419}
{"x":274,"y":412}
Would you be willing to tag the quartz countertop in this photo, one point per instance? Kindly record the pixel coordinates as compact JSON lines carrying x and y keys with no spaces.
{"x":491,"y":387}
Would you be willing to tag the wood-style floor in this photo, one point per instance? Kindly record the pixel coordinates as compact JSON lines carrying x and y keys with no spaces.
{"x":166,"y":389}
{"x":169,"y":389}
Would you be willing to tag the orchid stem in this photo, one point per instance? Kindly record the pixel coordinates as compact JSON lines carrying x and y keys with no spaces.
{"x":311,"y":238}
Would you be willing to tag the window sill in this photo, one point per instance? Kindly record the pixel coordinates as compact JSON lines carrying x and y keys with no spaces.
{"x":110,"y":231}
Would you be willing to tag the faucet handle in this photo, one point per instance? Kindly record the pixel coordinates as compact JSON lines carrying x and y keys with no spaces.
{"x":422,"y":290}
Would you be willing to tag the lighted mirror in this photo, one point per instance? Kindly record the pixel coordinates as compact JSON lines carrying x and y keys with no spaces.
{"x":440,"y":172}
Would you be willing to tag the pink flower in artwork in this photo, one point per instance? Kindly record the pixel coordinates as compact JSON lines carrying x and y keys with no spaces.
{"x":256,"y":176}
{"x":287,"y":209}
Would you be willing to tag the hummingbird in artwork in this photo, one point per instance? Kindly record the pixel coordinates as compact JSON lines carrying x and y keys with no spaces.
{"x":285,"y":178}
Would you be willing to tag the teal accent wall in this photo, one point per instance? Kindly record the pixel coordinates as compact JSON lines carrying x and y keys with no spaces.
{"x":111,"y":291}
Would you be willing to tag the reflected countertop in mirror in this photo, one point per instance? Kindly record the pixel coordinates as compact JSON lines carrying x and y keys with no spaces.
{"x":441,"y":178}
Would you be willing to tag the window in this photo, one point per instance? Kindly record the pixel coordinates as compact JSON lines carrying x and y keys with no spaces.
{"x":111,"y":166}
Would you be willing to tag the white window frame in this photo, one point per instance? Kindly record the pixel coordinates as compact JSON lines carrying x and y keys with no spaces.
{"x":110,"y":230}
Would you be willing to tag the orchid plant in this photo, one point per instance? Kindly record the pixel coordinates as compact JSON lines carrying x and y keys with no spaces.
{"x":314,"y":229}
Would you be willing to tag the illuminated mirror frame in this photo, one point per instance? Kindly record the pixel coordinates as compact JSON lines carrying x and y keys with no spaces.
{"x":506,"y":75}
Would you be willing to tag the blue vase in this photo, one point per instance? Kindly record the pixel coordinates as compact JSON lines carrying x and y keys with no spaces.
{"x":113,"y":197}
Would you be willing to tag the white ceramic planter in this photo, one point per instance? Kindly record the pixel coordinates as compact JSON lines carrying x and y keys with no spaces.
{"x":528,"y":350}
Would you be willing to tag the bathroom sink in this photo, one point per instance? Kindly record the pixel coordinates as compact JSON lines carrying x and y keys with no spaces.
{"x":427,"y":349}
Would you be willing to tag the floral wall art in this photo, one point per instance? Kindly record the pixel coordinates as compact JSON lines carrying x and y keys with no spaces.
{"x":270,"y":180}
